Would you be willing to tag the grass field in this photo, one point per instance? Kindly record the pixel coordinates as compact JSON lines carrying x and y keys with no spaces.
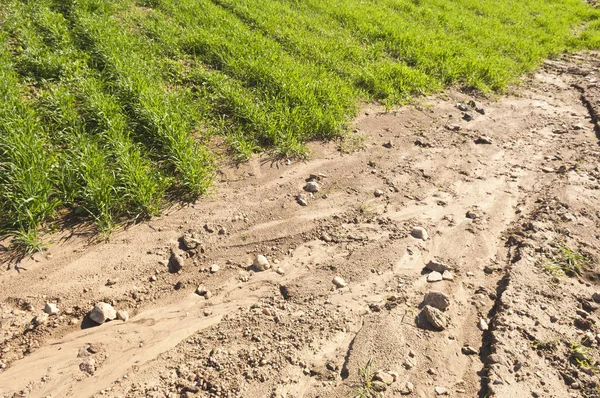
{"x":108,"y":106}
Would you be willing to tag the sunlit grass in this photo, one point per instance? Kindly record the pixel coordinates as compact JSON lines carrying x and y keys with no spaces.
{"x":107,"y":106}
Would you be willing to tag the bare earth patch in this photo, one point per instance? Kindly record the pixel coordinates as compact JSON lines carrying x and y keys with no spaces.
{"x":498,"y":197}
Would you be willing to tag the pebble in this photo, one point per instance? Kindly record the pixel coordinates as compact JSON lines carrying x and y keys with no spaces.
{"x":122,"y":316}
{"x":547,"y":169}
{"x":312,"y":186}
{"x":88,"y":366}
{"x":420,"y":233}
{"x":40,"y":319}
{"x":409,"y":388}
{"x":596,"y":297}
{"x":434,"y":317}
{"x":435,"y":265}
{"x":447,"y":276}
{"x":378,"y":193}
{"x":302,"y":200}
{"x":102,"y":312}
{"x":437,"y":300}
{"x":201,"y":290}
{"x":261,"y":263}
{"x":472,"y":215}
{"x":383,"y":377}
{"x":176,"y":262}
{"x":207,"y":312}
{"x":339,"y":282}
{"x":326,"y":238}
{"x":280,"y":271}
{"x":214,"y":268}
{"x":483,"y":325}
{"x":434,"y":277}
{"x":483,"y":139}
{"x":51,"y":309}
{"x":153,"y":278}
{"x":190,"y":243}
{"x":468,"y":350}
{"x":441,"y":390}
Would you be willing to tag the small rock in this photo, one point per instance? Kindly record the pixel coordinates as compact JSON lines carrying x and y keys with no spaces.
{"x":472,"y":215}
{"x":102,"y":312}
{"x":447,"y":276}
{"x":302,"y":200}
{"x":547,"y":169}
{"x":51,"y":309}
{"x":420,"y":233}
{"x":437,"y":300}
{"x":468,"y":350}
{"x":214,"y":268}
{"x":441,"y":390}
{"x":201,"y":290}
{"x":326,"y":238}
{"x":111,"y":282}
{"x":408,"y":389}
{"x":434,"y":277}
{"x":312,"y":186}
{"x":583,"y":324}
{"x":483,"y":325}
{"x":176,"y":263}
{"x":209,"y":228}
{"x":207,"y":312}
{"x":153,"y":278}
{"x":435,"y":265}
{"x":122,"y":316}
{"x":189,"y":243}
{"x":261,"y":263}
{"x":40,"y":320}
{"x":378,"y":193}
{"x":434,"y":317}
{"x":483,"y":140}
{"x":383,"y":377}
{"x":596,"y":297}
{"x":88,"y":366}
{"x":280,"y":271}
{"x":339,"y":282}
{"x":388,"y":145}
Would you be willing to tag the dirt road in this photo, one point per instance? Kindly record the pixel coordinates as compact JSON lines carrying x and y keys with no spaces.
{"x":506,"y":190}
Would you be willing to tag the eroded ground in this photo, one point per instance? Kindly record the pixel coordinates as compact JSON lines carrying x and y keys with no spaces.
{"x":516,"y":220}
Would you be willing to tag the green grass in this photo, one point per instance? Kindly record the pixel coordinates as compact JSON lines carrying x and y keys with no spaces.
{"x":109,"y":106}
{"x":366,"y":389}
{"x":566,"y":261}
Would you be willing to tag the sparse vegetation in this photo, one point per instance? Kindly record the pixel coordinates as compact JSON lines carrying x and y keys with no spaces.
{"x":566,"y":261}
{"x":581,"y":356}
{"x":108,"y":106}
{"x":366,"y":388}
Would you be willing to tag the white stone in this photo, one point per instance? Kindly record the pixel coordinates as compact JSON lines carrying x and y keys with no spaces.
{"x":51,"y":309}
{"x":434,"y":277}
{"x":103,"y":312}
{"x":312,"y":186}
{"x":420,"y":233}
{"x":123,"y":316}
{"x":261,"y":263}
{"x":339,"y":282}
{"x":447,"y":276}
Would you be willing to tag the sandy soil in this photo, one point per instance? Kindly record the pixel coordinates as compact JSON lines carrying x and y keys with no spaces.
{"x":502,"y":196}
